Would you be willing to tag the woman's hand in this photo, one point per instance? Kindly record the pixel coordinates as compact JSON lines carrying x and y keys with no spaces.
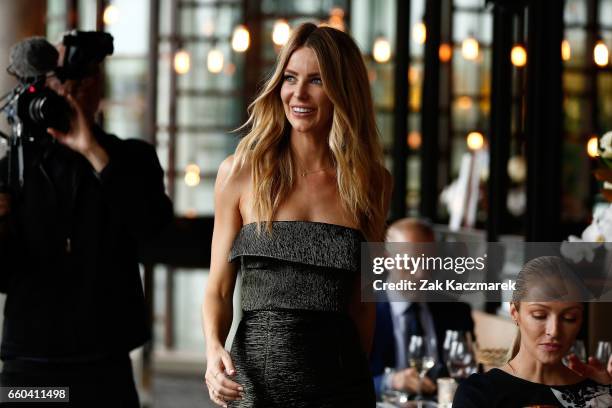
{"x":594,"y":370}
{"x":220,"y":388}
{"x":80,"y":136}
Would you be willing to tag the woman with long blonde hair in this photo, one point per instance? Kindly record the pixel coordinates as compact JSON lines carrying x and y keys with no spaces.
{"x":547,"y":307}
{"x":304,"y":188}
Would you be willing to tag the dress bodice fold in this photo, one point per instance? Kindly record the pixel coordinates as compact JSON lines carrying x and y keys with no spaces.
{"x":298,"y":265}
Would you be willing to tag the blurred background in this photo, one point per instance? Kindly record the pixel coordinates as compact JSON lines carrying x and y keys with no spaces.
{"x":489,"y":111}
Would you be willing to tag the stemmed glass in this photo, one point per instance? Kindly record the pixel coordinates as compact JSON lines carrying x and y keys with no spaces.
{"x":604,"y":350}
{"x":461,"y":362}
{"x":578,"y":349}
{"x":451,"y":335}
{"x":421,"y":358}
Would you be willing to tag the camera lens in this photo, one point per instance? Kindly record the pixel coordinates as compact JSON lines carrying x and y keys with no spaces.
{"x":50,"y":110}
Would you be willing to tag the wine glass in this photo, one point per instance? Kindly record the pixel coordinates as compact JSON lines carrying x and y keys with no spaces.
{"x":451,"y":335}
{"x":604,"y":350}
{"x":461,"y":361}
{"x":421,"y":358}
{"x":578,"y":349}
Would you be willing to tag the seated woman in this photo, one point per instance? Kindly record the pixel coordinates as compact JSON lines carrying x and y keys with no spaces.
{"x":535,"y":374}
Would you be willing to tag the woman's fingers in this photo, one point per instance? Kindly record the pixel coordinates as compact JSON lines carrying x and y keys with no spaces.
{"x":220,"y":386}
{"x":595,"y":363}
{"x":222,"y":389}
{"x":594,"y":370}
{"x":577,"y":365}
{"x":227,"y":363}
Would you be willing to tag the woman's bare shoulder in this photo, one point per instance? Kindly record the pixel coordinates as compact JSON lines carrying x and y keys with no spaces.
{"x":230,"y":178}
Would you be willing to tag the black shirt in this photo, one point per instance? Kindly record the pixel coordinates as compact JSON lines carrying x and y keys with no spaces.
{"x":69,"y":254}
{"x":497,"y":388}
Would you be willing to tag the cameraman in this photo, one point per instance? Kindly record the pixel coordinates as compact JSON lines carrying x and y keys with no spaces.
{"x":68,"y":255}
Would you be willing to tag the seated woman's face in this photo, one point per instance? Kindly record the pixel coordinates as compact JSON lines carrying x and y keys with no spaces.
{"x":307,"y":106}
{"x":548,"y":329}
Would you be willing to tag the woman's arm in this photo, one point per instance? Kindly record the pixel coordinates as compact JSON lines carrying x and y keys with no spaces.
{"x":217,"y":308}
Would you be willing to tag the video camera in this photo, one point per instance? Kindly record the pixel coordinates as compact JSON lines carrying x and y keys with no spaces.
{"x":32,"y":107}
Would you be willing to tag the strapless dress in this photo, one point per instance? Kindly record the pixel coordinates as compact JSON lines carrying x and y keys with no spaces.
{"x":296,"y":345}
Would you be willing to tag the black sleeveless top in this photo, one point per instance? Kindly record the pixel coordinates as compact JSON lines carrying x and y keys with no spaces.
{"x":497,"y":389}
{"x":301,"y":265}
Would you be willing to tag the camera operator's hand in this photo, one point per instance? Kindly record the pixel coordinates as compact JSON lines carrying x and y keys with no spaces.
{"x":80,"y":137}
{"x":5,"y":204}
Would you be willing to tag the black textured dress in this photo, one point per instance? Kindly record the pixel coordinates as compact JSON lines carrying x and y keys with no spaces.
{"x":296,"y":345}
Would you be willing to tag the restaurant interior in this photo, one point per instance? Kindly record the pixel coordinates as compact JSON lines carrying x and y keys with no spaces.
{"x":490,"y":113}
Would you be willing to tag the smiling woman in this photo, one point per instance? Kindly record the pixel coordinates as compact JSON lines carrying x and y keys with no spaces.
{"x":305,"y":187}
{"x":547,"y":328}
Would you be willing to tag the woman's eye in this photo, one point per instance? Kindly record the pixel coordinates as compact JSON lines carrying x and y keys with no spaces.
{"x":538,"y":316}
{"x":317,"y":81}
{"x":289,"y":78}
{"x":570,"y":319}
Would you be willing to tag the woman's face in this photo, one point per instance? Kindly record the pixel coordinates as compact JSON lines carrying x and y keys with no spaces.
{"x":307,"y":106}
{"x":548,"y":329}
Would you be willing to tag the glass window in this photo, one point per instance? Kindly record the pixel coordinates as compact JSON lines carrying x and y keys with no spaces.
{"x":575,"y":12}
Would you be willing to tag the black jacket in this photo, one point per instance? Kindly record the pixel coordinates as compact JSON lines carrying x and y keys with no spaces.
{"x":68,"y":252}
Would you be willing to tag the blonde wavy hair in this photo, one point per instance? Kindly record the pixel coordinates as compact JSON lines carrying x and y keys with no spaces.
{"x":353,"y":138}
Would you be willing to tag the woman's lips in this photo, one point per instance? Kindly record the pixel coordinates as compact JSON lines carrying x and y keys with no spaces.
{"x":550,"y":347}
{"x":302,"y":111}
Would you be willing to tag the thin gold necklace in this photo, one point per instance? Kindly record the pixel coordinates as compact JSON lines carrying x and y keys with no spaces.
{"x":304,"y":173}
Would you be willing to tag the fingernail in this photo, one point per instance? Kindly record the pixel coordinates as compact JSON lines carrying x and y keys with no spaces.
{"x":242,"y":395}
{"x":241,"y":388}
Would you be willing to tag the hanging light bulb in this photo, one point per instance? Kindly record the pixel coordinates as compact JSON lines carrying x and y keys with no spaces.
{"x":336,"y":18}
{"x":214,"y":61}
{"x":192,"y":175}
{"x":601,"y":54}
{"x":464,"y":102}
{"x":381,"y":50}
{"x":566,"y":50}
{"x":182,"y":62}
{"x":414,"y":140}
{"x":593,"y":146}
{"x":475,"y":141}
{"x":192,"y":179}
{"x":281,"y":32}
{"x":445,"y":52}
{"x":419,"y":33}
{"x":518,"y":56}
{"x":110,"y":15}
{"x":470,"y":48}
{"x":241,"y":39}
{"x":413,"y":75}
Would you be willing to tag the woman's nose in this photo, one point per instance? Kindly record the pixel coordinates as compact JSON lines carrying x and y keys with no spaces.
{"x":301,"y":90}
{"x":552,"y":327}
